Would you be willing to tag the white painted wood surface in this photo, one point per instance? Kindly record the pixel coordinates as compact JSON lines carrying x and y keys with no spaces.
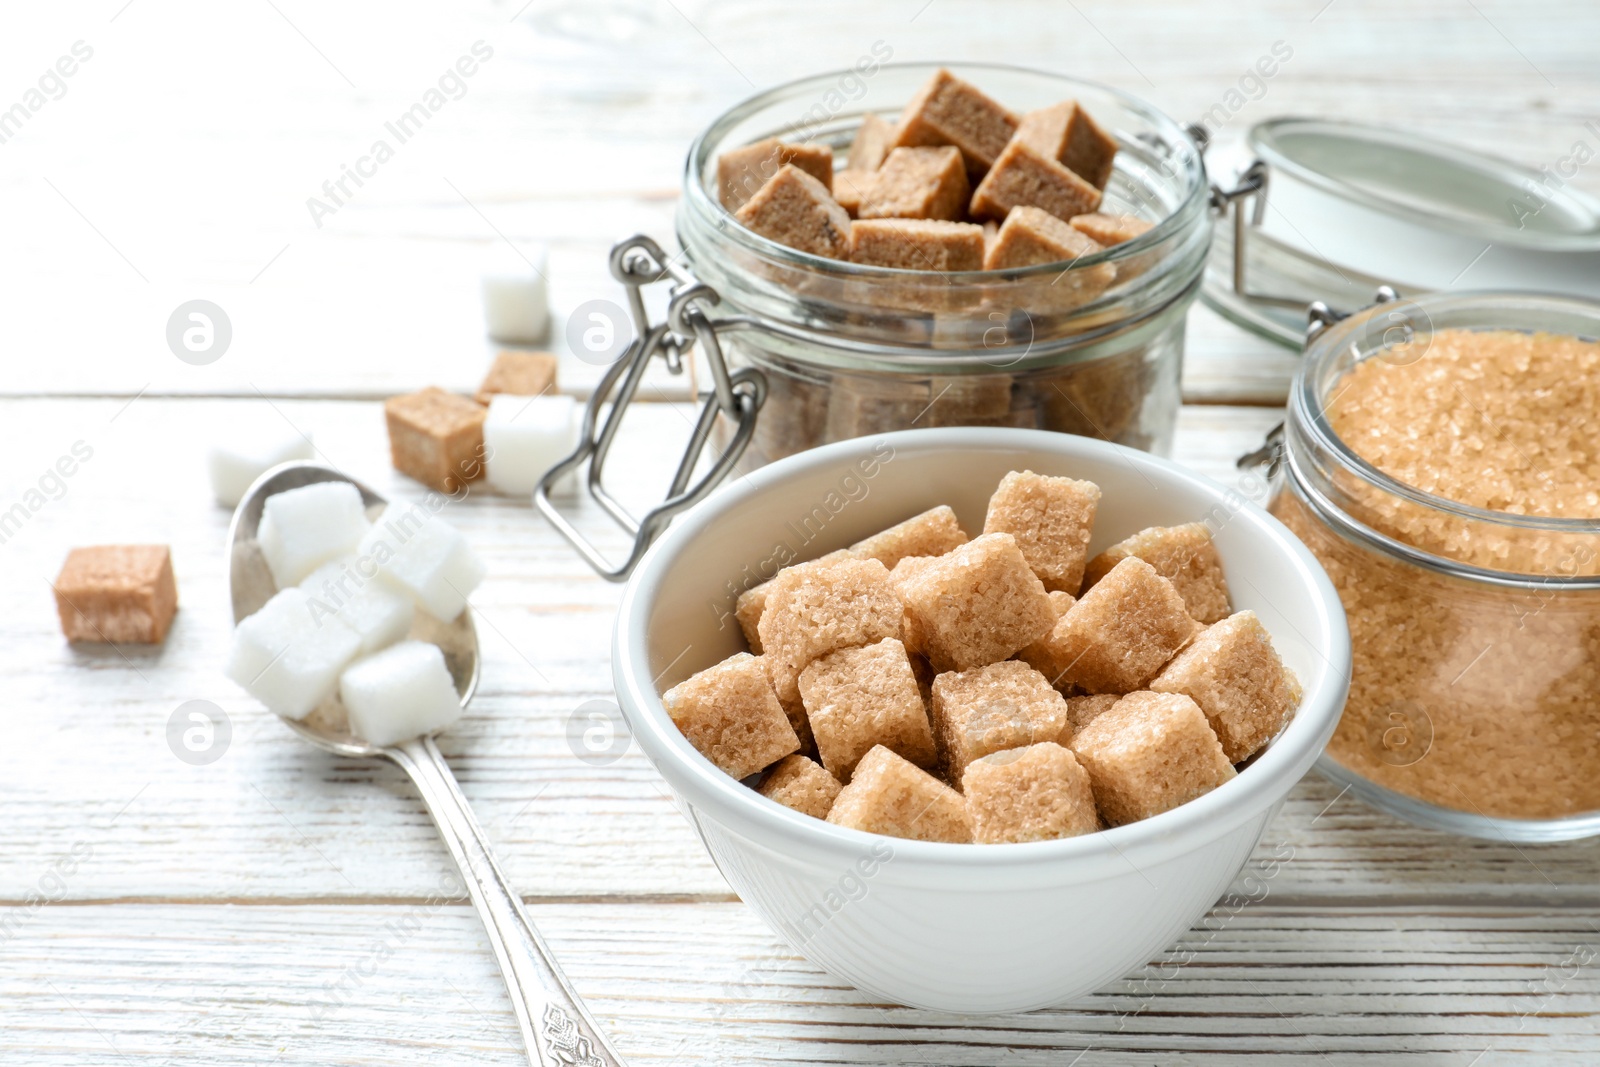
{"x":208,"y":911}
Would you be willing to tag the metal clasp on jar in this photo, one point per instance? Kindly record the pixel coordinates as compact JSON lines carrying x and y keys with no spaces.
{"x":737,"y":396}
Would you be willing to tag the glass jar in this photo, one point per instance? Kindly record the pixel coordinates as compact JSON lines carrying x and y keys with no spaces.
{"x":1475,"y":692}
{"x":1095,"y":348}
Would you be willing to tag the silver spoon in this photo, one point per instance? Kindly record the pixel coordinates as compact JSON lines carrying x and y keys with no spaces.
{"x":556,"y":1028}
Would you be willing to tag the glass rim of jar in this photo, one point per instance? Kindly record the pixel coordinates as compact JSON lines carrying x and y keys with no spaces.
{"x":1308,"y":416}
{"x":1195,"y":196}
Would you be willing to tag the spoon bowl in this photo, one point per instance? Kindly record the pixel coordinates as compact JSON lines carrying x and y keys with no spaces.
{"x":556,"y":1027}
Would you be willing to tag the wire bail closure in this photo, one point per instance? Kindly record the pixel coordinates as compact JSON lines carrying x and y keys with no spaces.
{"x":737,"y":395}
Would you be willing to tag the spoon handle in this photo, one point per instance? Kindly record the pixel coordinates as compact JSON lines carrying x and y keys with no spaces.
{"x":556,"y":1028}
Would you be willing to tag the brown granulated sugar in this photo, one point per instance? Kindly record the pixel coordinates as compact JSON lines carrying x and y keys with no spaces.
{"x":1467,"y":695}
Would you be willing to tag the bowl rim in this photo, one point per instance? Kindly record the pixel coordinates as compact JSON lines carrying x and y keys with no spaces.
{"x":1264,"y":782}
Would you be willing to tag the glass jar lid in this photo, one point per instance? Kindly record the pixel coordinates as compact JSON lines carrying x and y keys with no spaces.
{"x":1328,"y":210}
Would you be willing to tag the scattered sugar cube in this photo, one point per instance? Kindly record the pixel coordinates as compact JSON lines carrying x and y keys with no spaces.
{"x":520,"y":374}
{"x":871,"y":144}
{"x":1232,"y":671}
{"x":1023,"y":177}
{"x":436,"y":437}
{"x":889,"y":795}
{"x":753,"y":601}
{"x":795,"y":209}
{"x":122,"y":594}
{"x":741,"y":172}
{"x":977,"y":604}
{"x":858,"y":698}
{"x":301,"y":529}
{"x":402,"y":692}
{"x":731,"y":715}
{"x":1148,"y":754}
{"x":918,"y":183}
{"x":1065,"y":133}
{"x":1047,"y":655}
{"x":800,"y":783}
{"x":917,"y":244}
{"x":425,"y":557}
{"x":1082,"y":710}
{"x":352,"y":590}
{"x":1052,"y":520}
{"x":1108,"y":230}
{"x":1038,"y":793}
{"x":993,"y":708}
{"x":236,"y":463}
{"x":288,"y":655}
{"x":948,"y":110}
{"x":1124,"y":630}
{"x":812,"y":611}
{"x":516,"y":296}
{"x":1031,"y":237}
{"x":1184,"y":555}
{"x":524,"y":436}
{"x":932,"y":533}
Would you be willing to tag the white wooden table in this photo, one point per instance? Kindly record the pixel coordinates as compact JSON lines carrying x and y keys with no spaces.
{"x":281,"y":906}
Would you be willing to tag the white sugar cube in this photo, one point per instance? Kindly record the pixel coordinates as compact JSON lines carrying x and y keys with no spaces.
{"x":516,"y":295}
{"x":289,"y":655}
{"x":404,"y":691}
{"x":526,"y":436}
{"x":351,"y":588}
{"x":425,"y":557}
{"x":236,"y":463}
{"x":301,"y":529}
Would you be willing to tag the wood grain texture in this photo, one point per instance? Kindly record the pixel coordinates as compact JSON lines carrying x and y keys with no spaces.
{"x":693,"y":984}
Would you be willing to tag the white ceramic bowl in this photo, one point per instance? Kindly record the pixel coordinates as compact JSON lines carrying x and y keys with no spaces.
{"x":966,"y":928}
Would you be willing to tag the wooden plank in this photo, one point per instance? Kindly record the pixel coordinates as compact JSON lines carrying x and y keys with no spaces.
{"x":98,"y":768}
{"x":707,"y":983}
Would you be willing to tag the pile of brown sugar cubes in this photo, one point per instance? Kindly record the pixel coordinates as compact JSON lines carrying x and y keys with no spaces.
{"x":958,"y":183}
{"x":1003,"y":688}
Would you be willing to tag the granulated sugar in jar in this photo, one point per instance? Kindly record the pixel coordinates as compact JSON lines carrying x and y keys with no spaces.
{"x":1450,"y":485}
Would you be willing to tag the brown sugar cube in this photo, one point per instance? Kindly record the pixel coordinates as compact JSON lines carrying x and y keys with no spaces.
{"x":850,"y":189}
{"x":741,"y":172}
{"x":889,"y":795}
{"x":1232,"y":671}
{"x":799,"y":783}
{"x":918,"y":183}
{"x":1046,"y":655}
{"x":795,"y":209}
{"x":949,"y":111}
{"x":1123,"y":631}
{"x":1184,"y":555}
{"x":1038,"y":793}
{"x":1082,"y":710}
{"x":857,"y":698}
{"x":933,"y":533}
{"x":969,"y":400}
{"x":871,"y":144}
{"x":1031,"y":236}
{"x":1148,"y":754}
{"x":120,"y":594}
{"x":975,"y":605}
{"x":812,"y":611}
{"x":1108,"y":230}
{"x":731,"y":715}
{"x":436,"y":437}
{"x":519,"y":374}
{"x":990,"y":709}
{"x":917,"y":244}
{"x":753,"y":601}
{"x":1051,"y":518}
{"x":1022,"y":177}
{"x":1065,"y":133}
